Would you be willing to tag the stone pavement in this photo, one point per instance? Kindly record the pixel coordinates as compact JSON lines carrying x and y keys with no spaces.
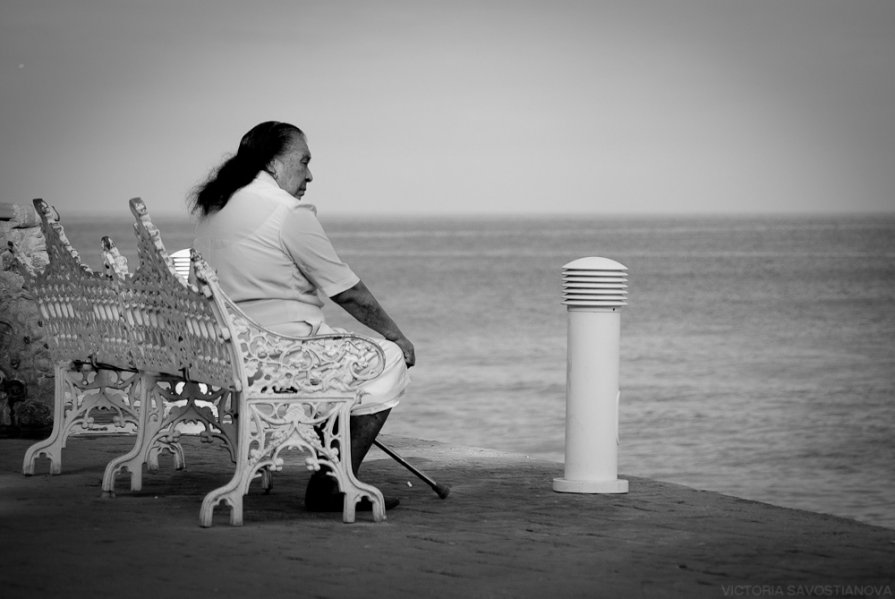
{"x":502,"y":532}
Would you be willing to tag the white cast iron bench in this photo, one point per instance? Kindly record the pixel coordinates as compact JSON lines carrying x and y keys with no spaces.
{"x":173,"y":340}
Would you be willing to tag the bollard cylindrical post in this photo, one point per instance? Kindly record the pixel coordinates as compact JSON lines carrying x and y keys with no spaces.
{"x":594,"y":290}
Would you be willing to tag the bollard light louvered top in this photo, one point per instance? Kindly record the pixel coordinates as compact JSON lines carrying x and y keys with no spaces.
{"x":594,"y":283}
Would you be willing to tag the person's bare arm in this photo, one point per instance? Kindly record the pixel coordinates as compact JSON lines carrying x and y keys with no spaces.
{"x":362,"y":305}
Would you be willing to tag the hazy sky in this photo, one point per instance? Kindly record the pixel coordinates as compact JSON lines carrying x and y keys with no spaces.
{"x":458,"y":106}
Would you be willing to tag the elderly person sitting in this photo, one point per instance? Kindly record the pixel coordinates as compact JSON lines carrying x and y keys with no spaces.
{"x":273,"y":258}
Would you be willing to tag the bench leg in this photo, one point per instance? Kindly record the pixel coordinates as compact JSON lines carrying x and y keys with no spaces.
{"x":51,"y":447}
{"x":162,"y":427}
{"x":233,"y":492}
{"x":78,"y":397}
{"x":269,"y":427}
{"x":152,"y":411}
{"x":203,"y":414}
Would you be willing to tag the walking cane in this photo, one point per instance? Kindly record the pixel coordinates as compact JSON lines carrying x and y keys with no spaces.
{"x":441,"y":490}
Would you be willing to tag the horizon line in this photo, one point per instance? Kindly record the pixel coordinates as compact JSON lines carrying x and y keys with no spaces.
{"x":95,"y":213}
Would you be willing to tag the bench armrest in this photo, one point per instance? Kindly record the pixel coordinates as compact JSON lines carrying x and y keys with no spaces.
{"x":276,"y":363}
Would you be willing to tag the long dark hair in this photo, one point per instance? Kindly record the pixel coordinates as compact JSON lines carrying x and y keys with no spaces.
{"x":257,"y":149}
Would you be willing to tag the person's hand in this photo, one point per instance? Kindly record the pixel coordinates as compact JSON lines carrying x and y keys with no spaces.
{"x":360,"y":303}
{"x":407,"y":348}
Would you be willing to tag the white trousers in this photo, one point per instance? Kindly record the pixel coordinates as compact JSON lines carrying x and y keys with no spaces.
{"x":383,"y":392}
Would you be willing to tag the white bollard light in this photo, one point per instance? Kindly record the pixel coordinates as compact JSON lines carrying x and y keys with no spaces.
{"x":594,"y":290}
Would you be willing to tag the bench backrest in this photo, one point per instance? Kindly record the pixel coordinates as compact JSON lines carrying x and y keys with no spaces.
{"x":80,"y":309}
{"x":175,"y":323}
{"x":152,"y":321}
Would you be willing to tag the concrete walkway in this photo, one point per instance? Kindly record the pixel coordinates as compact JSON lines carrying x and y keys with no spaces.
{"x":503,"y":532}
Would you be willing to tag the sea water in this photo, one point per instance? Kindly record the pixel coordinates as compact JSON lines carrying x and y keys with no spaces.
{"x":757,"y":353}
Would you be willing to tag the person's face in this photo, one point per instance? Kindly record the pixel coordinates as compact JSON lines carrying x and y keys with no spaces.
{"x":291,"y":170}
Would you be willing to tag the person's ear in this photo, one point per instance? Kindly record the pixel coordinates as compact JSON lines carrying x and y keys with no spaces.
{"x":275,"y":167}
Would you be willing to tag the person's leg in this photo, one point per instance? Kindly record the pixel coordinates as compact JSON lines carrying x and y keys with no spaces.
{"x":322,"y":492}
{"x":378,"y":398}
{"x":364,"y":430}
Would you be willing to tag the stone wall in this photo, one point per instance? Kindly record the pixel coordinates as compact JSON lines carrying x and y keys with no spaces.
{"x":26,"y":371}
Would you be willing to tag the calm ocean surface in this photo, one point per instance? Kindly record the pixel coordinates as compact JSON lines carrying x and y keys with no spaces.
{"x":758,"y":353}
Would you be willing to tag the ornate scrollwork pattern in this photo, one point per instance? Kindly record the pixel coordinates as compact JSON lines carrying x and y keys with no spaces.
{"x":323,"y":363}
{"x":99,"y":401}
{"x":114,"y":263}
{"x":197,"y":410}
{"x":281,"y":425}
{"x":88,"y":401}
{"x":78,"y":307}
{"x":173,"y":323}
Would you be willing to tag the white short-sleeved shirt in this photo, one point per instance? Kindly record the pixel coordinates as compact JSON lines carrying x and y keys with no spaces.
{"x":272,"y":257}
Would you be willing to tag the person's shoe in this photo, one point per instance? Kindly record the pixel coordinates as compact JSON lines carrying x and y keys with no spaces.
{"x":320,"y":486}
{"x":335,"y":503}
